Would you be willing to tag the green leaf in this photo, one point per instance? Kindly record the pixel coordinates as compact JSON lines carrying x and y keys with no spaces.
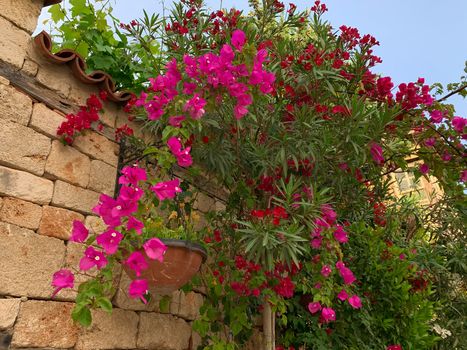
{"x":164,"y":304}
{"x":83,"y":49}
{"x":57,"y":13}
{"x":79,"y":8}
{"x":82,"y":314}
{"x":104,"y":304}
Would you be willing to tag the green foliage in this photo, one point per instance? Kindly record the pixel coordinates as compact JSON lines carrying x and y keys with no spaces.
{"x":129,"y":54}
{"x":307,"y":144}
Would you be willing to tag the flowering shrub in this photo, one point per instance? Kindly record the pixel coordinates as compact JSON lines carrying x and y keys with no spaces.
{"x":287,"y":116}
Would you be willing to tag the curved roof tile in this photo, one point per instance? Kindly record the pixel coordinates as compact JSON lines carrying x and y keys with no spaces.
{"x":78,"y":66}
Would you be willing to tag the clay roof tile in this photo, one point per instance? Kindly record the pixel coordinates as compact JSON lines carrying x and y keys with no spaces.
{"x":79,"y":67}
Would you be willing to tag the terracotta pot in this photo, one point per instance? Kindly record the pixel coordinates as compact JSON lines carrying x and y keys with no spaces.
{"x":182,"y":261}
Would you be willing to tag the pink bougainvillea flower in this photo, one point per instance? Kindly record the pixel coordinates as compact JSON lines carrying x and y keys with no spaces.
{"x":183,"y":155}
{"x":176,"y":120}
{"x":195,"y":106}
{"x":340,"y":235}
{"x":328,"y":314}
{"x":424,"y":169}
{"x":446,"y":157}
{"x":436,"y":116}
{"x":238,"y":39}
{"x":316,"y":242}
{"x":355,"y":302}
{"x":459,"y":124}
{"x":345,"y":273}
{"x":326,"y":271}
{"x":394,"y":347}
{"x":109,"y":241}
{"x":131,"y":194}
{"x":137,"y":289}
{"x":314,"y":307}
{"x":226,"y":55}
{"x":377,"y":153}
{"x":137,"y":262}
{"x":328,"y":214}
{"x":342,"y":295}
{"x":322,"y":223}
{"x":62,"y":279}
{"x":155,"y":249}
{"x":166,"y":189}
{"x":134,"y":224}
{"x":132,"y":175}
{"x":104,"y":210}
{"x":91,"y":258}
{"x":430,"y":142}
{"x":123,"y":208}
{"x":463,"y":177}
{"x":79,"y":232}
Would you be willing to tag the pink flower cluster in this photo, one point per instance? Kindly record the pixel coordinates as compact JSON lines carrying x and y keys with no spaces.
{"x":209,"y":74}
{"x":321,"y":237}
{"x":118,"y":215}
{"x":326,"y":222}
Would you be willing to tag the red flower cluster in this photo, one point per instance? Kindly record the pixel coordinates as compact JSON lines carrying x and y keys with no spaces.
{"x":122,"y":131}
{"x":277,"y":213}
{"x":420,"y":282}
{"x":83,"y":120}
{"x":412,"y":95}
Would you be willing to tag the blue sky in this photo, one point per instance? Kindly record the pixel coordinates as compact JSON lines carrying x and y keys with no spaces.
{"x":419,"y":38}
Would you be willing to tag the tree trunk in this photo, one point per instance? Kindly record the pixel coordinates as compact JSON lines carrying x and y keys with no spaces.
{"x":269,"y":325}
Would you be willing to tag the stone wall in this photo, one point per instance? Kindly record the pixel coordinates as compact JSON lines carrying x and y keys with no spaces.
{"x":44,"y":186}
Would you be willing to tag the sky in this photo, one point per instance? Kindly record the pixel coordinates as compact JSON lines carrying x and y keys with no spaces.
{"x":419,"y":38}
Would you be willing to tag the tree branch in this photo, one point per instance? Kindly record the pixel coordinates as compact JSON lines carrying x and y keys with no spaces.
{"x":463,"y":87}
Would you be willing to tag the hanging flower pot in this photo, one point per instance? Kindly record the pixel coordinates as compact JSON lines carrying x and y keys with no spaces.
{"x":182,"y":260}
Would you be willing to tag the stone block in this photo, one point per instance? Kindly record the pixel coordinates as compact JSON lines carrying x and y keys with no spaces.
{"x":74,"y":198}
{"x":112,"y":112}
{"x":45,"y":120}
{"x":80,"y":92}
{"x":195,"y":341}
{"x":26,"y":186}
{"x":110,"y":331}
{"x":14,"y":105}
{"x":23,"y":148}
{"x":22,"y":13}
{"x":9,"y":309}
{"x":95,"y":224}
{"x":103,"y":177}
{"x":13,"y":44}
{"x":98,"y":147}
{"x":30,"y":67}
{"x":18,"y":212}
{"x":56,"y":77}
{"x":58,"y":222}
{"x":45,"y":324}
{"x":163,"y":332}
{"x":186,"y":305}
{"x":204,"y":203}
{"x":68,"y":164}
{"x":28,"y":262}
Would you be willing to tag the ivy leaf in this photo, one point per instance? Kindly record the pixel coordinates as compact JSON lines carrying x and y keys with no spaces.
{"x":83,"y":49}
{"x":79,"y":7}
{"x":57,"y":13}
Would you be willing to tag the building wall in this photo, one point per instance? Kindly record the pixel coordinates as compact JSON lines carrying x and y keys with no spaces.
{"x":44,"y":186}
